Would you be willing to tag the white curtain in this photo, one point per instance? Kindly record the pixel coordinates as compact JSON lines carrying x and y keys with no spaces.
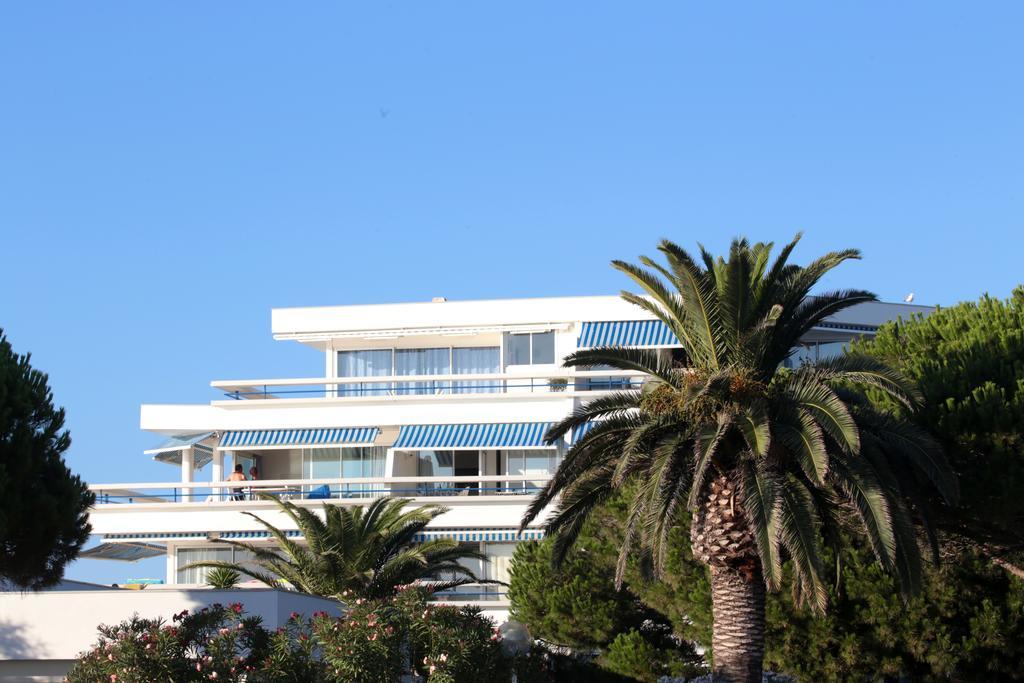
{"x":423,"y":362}
{"x":476,"y":361}
{"x":199,"y":574}
{"x":375,"y":363}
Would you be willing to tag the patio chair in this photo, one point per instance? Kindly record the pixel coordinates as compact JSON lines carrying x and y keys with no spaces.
{"x":319,"y":493}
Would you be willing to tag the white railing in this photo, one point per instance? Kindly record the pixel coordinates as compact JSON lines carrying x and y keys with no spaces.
{"x":420,"y":386}
{"x":362,"y":488}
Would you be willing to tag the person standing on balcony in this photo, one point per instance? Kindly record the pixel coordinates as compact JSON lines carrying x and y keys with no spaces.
{"x":254,"y":475}
{"x":237,"y":475}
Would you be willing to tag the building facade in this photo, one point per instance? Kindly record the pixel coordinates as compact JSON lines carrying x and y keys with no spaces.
{"x":442,"y":402}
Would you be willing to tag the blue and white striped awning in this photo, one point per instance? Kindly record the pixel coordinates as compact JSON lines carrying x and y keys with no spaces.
{"x":642,"y":333}
{"x":581,"y":431}
{"x":496,"y":435}
{"x":274,"y":438}
{"x":474,"y":535}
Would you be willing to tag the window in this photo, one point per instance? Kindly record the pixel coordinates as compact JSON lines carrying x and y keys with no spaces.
{"x":368,"y":363}
{"x":348,"y":463}
{"x":198,"y":575}
{"x":537,"y":348}
{"x":476,"y":361}
{"x":422,"y":362}
{"x":540,"y":462}
{"x":187,"y":556}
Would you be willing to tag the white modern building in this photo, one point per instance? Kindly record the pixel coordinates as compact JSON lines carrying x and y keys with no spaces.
{"x":441,"y":402}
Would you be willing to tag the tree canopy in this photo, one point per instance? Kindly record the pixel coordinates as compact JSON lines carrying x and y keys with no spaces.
{"x":366,"y":552}
{"x":968,"y":361}
{"x":43,"y":506}
{"x":771,"y":463}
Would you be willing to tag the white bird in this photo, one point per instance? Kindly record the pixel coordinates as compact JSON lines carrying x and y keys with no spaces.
{"x":909,"y":297}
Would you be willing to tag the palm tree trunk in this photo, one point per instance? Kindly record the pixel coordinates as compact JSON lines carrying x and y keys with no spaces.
{"x":737,"y":644}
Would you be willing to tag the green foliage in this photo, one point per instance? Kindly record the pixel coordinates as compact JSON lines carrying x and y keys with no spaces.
{"x":968,"y":361}
{"x":575,"y":605}
{"x":222,"y":577}
{"x":377,"y":641}
{"x":216,"y":640}
{"x":966,"y":625}
{"x":367,"y":552}
{"x":43,"y":506}
{"x":634,"y":656}
{"x":790,"y":457}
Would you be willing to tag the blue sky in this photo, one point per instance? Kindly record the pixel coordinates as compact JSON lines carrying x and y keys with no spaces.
{"x":169,"y":172}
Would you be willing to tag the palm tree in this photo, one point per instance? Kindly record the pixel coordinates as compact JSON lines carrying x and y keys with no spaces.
{"x":355,"y":551}
{"x":772,"y":463}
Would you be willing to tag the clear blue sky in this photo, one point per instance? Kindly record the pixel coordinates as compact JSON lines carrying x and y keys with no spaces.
{"x":171,"y":171}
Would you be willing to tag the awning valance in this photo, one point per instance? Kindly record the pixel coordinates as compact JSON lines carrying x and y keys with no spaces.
{"x":125,"y":552}
{"x":475,"y":535}
{"x":276,"y":438}
{"x":650,"y":333}
{"x":495,"y":435}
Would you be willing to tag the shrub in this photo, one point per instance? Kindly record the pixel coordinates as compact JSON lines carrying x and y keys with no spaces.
{"x":377,"y":641}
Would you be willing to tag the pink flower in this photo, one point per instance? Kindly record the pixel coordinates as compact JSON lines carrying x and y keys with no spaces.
{"x":443,"y":658}
{"x":113,"y":677}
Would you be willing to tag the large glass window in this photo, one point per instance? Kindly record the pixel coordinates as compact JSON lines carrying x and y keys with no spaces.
{"x":537,"y":348}
{"x":531,"y":462}
{"x":350,"y":463}
{"x":434,"y":464}
{"x":476,"y":361}
{"x":366,"y":363}
{"x":187,"y":556}
{"x":423,"y":362}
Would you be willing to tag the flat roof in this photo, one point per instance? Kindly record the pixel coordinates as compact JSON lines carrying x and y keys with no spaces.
{"x":322,"y":321}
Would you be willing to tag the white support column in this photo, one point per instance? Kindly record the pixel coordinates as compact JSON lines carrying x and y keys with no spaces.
{"x":217,"y":475}
{"x":188,"y":463}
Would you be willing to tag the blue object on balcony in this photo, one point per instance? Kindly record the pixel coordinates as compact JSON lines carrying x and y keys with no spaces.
{"x":319,"y":493}
{"x":498,"y":435}
{"x":300,"y":437}
{"x":626,"y":333}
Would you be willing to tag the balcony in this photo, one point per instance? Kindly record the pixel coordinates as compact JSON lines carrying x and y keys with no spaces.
{"x":386,"y":388}
{"x":351,"y":491}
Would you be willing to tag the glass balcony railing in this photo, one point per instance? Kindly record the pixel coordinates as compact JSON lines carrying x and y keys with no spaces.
{"x":413,"y":387}
{"x":350,"y":489}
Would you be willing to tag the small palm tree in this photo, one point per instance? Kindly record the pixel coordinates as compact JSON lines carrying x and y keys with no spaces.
{"x":364,"y":552}
{"x":222,"y":578}
{"x":771,"y":462}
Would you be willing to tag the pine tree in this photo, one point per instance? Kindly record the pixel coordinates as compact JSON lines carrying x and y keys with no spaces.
{"x":968,"y":361}
{"x":43,"y":506}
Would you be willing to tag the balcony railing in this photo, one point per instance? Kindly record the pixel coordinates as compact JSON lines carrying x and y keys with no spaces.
{"x":552,"y":383}
{"x":347,"y":489}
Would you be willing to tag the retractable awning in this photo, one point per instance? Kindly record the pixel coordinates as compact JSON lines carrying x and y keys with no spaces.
{"x":170,"y":451}
{"x":275,"y":438}
{"x":495,"y":435}
{"x":124,"y":552}
{"x":656,"y":334}
{"x":581,"y":431}
{"x":650,"y":333}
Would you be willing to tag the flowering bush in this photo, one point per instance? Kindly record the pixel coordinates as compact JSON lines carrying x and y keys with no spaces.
{"x":216,"y":643}
{"x":377,"y":641}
